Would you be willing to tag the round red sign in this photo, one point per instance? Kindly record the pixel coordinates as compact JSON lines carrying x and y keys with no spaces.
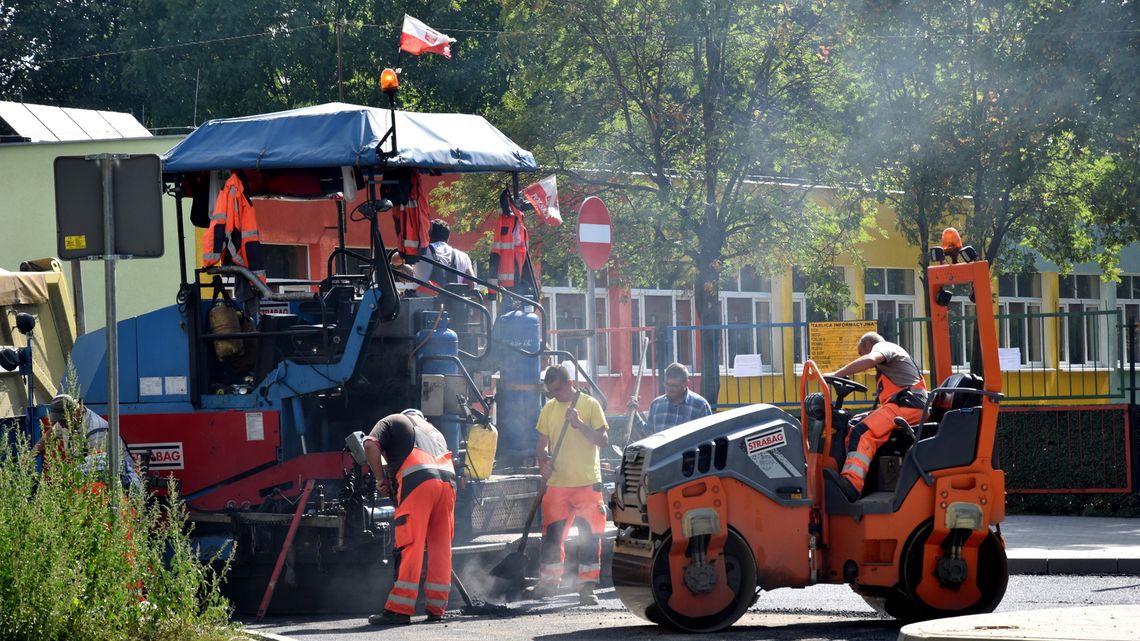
{"x":594,"y":232}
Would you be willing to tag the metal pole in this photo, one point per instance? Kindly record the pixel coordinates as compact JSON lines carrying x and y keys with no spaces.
{"x":592,"y":322}
{"x":340,"y":231}
{"x":77,"y":298}
{"x":107,"y":164}
{"x":29,"y":412}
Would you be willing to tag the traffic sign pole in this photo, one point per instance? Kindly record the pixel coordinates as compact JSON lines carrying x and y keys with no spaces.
{"x":595,"y":231}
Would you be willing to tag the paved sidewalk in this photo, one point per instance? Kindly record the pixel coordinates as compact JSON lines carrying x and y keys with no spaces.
{"x":1100,"y":623}
{"x":1072,"y":545}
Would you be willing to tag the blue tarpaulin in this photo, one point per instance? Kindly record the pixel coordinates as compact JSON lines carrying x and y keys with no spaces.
{"x":339,"y":135}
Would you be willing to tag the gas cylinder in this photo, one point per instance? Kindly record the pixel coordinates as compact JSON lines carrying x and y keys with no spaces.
{"x":481,"y":443}
{"x":436,"y":339}
{"x":519,"y":391}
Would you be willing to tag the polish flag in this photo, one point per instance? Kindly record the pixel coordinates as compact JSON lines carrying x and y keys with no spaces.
{"x":543,"y":195}
{"x":416,"y":38}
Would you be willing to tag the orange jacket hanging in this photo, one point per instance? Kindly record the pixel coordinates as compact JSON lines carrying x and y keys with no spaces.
{"x":508,"y":251}
{"x":412,"y":224}
{"x":233,"y":236}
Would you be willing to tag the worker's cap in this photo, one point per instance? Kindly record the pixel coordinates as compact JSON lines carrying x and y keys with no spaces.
{"x":413,"y":412}
{"x":58,"y":406}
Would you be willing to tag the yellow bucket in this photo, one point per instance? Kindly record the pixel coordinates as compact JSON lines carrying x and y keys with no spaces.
{"x":481,"y":443}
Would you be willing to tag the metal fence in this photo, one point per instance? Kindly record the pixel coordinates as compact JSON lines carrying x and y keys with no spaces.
{"x":1047,"y":358}
{"x":1069,"y":377}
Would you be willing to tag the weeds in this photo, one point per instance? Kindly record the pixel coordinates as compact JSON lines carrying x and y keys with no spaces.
{"x":83,"y":561}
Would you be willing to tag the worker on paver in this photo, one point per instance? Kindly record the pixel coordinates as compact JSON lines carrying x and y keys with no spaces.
{"x":420,"y":478}
{"x":901,"y":392}
{"x":66,"y":412}
{"x":571,"y":429}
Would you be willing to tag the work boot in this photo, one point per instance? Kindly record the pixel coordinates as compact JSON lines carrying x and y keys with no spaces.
{"x":586,"y":595}
{"x":434,"y":618}
{"x":388,"y":617}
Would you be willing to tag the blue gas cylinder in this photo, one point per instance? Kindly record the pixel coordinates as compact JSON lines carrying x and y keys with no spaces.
{"x":519,"y":391}
{"x":436,"y":339}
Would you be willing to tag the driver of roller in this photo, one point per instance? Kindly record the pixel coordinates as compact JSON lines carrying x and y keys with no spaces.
{"x":901,"y":392}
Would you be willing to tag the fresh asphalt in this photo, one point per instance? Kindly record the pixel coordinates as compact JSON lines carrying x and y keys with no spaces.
{"x":1035,"y":545}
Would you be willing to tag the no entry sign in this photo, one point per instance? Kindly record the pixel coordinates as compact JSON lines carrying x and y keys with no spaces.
{"x":594,"y":232}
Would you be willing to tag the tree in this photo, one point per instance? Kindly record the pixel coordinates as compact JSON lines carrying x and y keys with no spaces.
{"x":689,"y":109}
{"x":176,"y":64}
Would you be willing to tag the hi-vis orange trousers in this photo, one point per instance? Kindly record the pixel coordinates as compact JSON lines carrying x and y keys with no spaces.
{"x":424,"y":519}
{"x":868,"y":434}
{"x":561,"y":506}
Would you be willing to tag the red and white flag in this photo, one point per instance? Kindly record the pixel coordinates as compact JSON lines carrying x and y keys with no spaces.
{"x":543,"y":195}
{"x":417,"y":38}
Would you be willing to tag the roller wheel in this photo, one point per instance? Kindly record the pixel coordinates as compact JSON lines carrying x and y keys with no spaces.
{"x":904,"y":603}
{"x":740,"y":571}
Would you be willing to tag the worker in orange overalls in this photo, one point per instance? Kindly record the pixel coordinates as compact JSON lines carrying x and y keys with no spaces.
{"x":572,"y":429}
{"x":423,"y":486}
{"x":901,"y":392}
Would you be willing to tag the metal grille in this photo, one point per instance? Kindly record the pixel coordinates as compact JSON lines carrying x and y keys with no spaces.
{"x":632,"y":468}
{"x":503,"y":503}
{"x":1062,"y":450}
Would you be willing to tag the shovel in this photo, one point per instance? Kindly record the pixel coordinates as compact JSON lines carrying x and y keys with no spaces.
{"x":513,"y":567}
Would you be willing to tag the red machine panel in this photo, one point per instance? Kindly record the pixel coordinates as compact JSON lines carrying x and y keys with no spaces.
{"x":204,"y":449}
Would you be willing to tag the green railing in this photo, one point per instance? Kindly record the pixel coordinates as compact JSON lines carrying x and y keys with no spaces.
{"x":1047,"y":358}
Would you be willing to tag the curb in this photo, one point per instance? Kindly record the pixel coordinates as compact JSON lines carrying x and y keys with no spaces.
{"x":1071,"y":565}
{"x":269,"y":636}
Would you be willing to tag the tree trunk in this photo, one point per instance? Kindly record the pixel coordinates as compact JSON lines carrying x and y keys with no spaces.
{"x":707,"y":298}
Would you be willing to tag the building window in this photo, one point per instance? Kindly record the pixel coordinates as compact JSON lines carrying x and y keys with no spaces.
{"x":1084,"y":332}
{"x":750,"y":304}
{"x":888,"y":298}
{"x":1020,"y":324}
{"x":962,"y":316}
{"x":1128,"y":302}
{"x":661,"y":309}
{"x":566,"y":310}
{"x":804,"y":311}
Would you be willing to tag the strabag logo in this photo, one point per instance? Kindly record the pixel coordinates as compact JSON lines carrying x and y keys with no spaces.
{"x":766,"y":440}
{"x":163,"y":456}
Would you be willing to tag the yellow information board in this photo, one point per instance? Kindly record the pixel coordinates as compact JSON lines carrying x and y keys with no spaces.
{"x":832,"y":345}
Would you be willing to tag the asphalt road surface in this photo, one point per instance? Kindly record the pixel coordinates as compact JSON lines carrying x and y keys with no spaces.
{"x":823,"y":612}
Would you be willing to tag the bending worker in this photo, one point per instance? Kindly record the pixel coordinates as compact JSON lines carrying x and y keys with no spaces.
{"x":901,"y":391}
{"x":571,"y":429}
{"x":423,"y":487}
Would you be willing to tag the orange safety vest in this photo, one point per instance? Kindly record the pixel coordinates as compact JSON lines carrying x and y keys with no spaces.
{"x":429,"y":459}
{"x":412,"y":224}
{"x":887,"y":389}
{"x":233,"y":236}
{"x":508,"y":251}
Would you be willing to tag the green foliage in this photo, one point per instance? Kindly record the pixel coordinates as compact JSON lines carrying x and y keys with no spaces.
{"x":73,"y":567}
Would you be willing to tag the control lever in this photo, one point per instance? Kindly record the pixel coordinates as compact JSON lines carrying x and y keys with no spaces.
{"x":473,"y":416}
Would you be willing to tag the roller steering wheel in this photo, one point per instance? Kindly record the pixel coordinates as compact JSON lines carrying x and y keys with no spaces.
{"x":843,"y":387}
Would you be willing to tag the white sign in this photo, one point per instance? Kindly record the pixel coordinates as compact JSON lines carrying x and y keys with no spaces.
{"x":744,"y":365}
{"x":254,"y":426}
{"x":163,"y":456}
{"x":1009,"y":359}
{"x":175,"y":385}
{"x":150,"y":386}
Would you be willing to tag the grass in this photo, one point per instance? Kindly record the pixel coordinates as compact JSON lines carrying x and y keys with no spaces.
{"x":75,"y":567}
